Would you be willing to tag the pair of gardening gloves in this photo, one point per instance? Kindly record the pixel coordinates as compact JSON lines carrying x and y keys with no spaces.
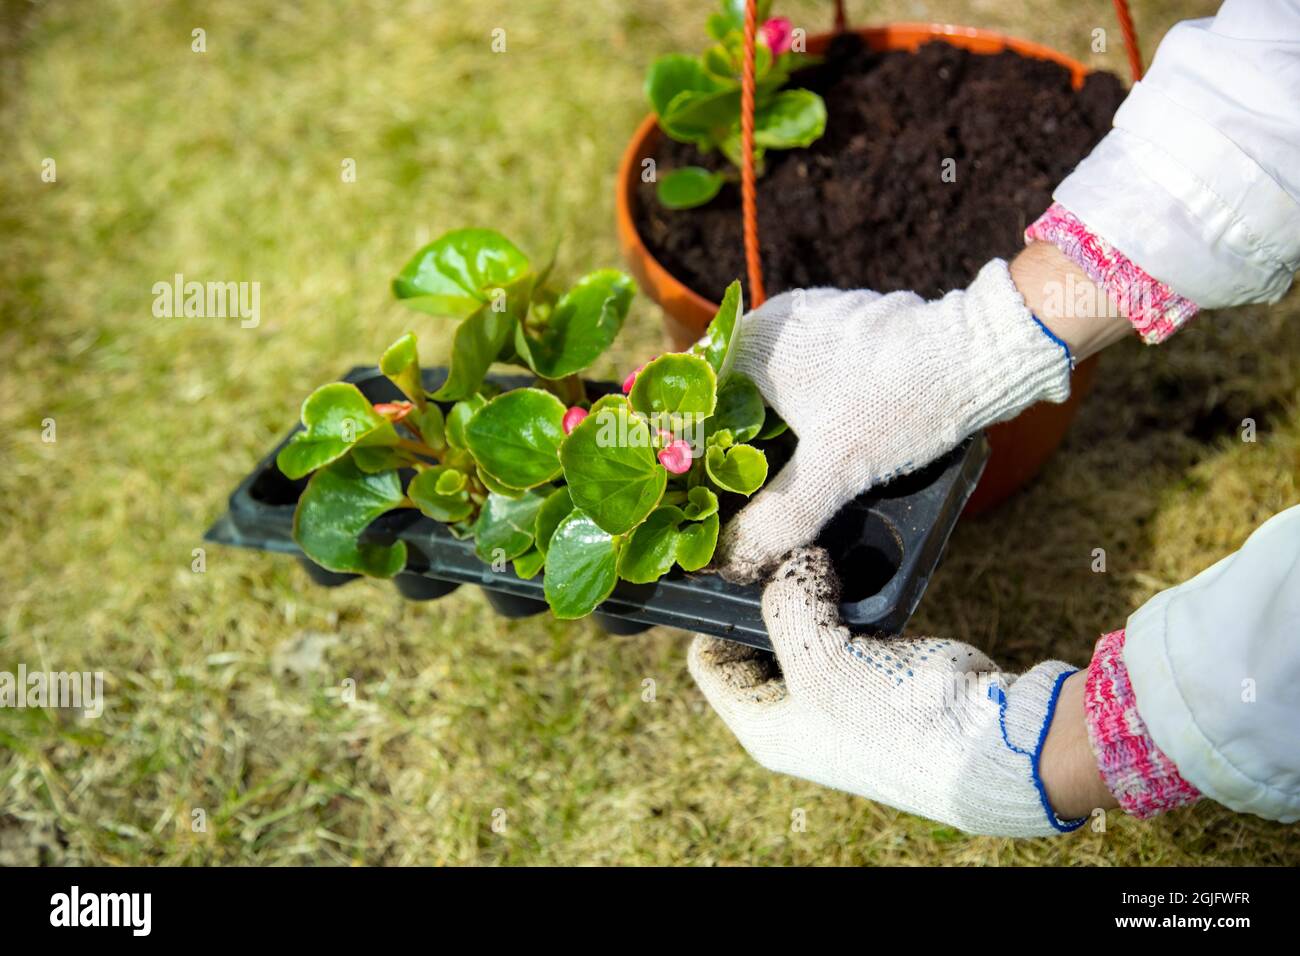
{"x":873,"y":386}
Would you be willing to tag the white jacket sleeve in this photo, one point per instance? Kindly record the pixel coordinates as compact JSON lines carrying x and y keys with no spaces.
{"x":1215,"y":669}
{"x":1199,"y":181}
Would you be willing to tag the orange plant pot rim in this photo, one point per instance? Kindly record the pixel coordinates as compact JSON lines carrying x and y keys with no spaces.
{"x":688,"y":307}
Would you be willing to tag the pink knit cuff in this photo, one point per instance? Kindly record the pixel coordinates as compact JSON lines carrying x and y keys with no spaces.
{"x":1155,"y":310}
{"x":1134,"y":769}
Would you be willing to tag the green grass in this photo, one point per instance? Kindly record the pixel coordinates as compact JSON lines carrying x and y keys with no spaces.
{"x":226,"y":165}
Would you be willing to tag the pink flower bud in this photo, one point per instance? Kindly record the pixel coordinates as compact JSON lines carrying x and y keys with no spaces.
{"x":676,"y":457}
{"x":572,"y":417}
{"x":777,"y":32}
{"x":631,"y":379}
{"x":394,"y":411}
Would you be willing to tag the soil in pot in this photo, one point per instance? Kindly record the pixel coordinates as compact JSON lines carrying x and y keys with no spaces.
{"x":868,"y":205}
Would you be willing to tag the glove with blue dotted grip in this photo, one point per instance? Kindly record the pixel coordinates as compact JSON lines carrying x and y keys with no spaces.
{"x":928,"y":726}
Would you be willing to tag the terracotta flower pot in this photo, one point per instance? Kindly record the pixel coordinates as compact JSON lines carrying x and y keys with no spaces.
{"x":1021,"y":446}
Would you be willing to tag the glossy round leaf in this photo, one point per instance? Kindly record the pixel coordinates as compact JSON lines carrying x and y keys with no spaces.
{"x":740,"y":409}
{"x":700,"y":503}
{"x":696,"y":543}
{"x":581,"y":567}
{"x":336,"y":417}
{"x":790,"y":118}
{"x":584,"y":322}
{"x":649,"y":551}
{"x":672,"y":74}
{"x":439,"y":492}
{"x":529,"y":563}
{"x":688,"y":187}
{"x":459,"y":417}
{"x":497,"y":487}
{"x":337,"y":505}
{"x":376,"y":458}
{"x":555,"y":509}
{"x":516,"y":437}
{"x":741,"y":468}
{"x":506,"y":526}
{"x":675,"y":384}
{"x":456,"y":274}
{"x":611,"y":469}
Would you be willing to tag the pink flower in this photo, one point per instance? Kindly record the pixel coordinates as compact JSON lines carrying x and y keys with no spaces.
{"x":631,"y":379}
{"x":572,"y":417}
{"x":394,"y":411}
{"x":777,"y":32}
{"x":676,"y":457}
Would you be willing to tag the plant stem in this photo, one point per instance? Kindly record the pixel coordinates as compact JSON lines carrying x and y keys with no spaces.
{"x":418,"y":448}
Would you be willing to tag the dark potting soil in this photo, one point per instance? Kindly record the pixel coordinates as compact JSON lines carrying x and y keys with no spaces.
{"x":866,"y":206}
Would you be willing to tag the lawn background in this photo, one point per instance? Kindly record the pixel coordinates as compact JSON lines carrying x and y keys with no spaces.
{"x":225,"y":688}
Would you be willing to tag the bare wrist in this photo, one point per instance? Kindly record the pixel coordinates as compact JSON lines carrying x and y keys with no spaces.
{"x":1065,"y":300}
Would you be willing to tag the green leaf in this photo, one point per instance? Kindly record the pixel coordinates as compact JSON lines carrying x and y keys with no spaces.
{"x":376,"y":458}
{"x":650,"y":550}
{"x":673,"y":74}
{"x":516,"y":437}
{"x":700,"y":503}
{"x":732,"y":15}
{"x":554,"y":510}
{"x":741,"y":468}
{"x":430,"y":424}
{"x":740,"y":409}
{"x":614,"y":401}
{"x":688,"y":187}
{"x":505,"y":526}
{"x":696,"y":543}
{"x":675,"y":384}
{"x":497,"y":487}
{"x":790,"y":118}
{"x":719,"y":25}
{"x":337,"y":505}
{"x":529,"y":563}
{"x":401,"y":364}
{"x":718,"y":343}
{"x":732,"y":61}
{"x":337,"y":417}
{"x":455,"y":274}
{"x":450,"y":481}
{"x":773,"y":425}
{"x":719,"y":63}
{"x":439,"y":492}
{"x":696,"y":115}
{"x":611,"y":469}
{"x":581,"y":567}
{"x":475,"y":346}
{"x":584,"y":322}
{"x":459,"y":417}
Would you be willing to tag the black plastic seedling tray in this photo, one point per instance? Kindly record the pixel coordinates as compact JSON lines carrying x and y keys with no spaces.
{"x":885,"y":545}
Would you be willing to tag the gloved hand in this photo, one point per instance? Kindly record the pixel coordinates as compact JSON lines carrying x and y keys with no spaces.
{"x":875,"y":386}
{"x":929,"y":726}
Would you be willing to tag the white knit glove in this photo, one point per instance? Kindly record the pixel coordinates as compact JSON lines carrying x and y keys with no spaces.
{"x":929,"y":726}
{"x":875,"y":386}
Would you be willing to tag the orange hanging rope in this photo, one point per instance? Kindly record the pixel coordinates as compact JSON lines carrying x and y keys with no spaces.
{"x":748,"y":199}
{"x":1130,"y":39}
